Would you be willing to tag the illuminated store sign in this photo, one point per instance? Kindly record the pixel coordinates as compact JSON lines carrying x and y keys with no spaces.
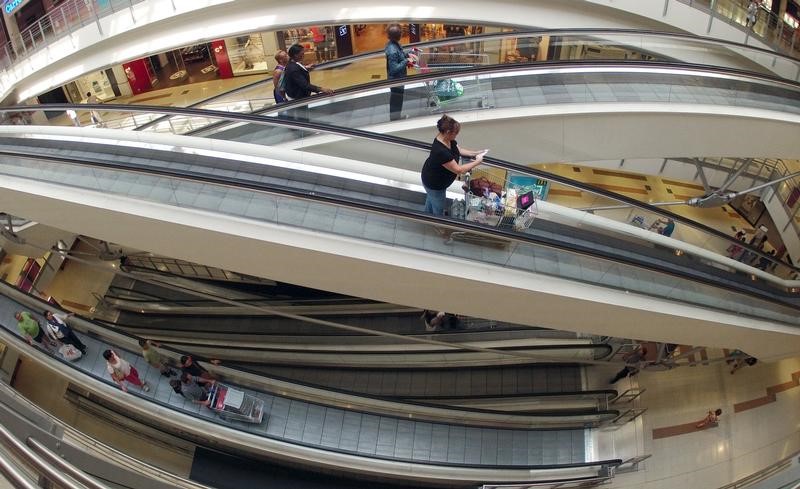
{"x":12,"y":5}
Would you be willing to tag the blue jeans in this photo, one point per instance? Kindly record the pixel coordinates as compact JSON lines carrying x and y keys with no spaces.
{"x":435,"y":201}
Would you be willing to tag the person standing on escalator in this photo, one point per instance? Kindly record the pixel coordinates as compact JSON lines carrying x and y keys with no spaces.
{"x":442,"y":166}
{"x":397,"y":63}
{"x":59,"y":330}
{"x":278,"y":92}
{"x":297,"y":81}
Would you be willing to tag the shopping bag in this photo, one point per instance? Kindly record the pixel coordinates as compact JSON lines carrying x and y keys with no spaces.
{"x":448,"y":89}
{"x":69,"y":352}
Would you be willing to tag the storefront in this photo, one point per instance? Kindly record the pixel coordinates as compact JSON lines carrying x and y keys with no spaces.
{"x":97,"y":83}
{"x":253,"y":54}
{"x":245,"y":54}
{"x":319,"y":41}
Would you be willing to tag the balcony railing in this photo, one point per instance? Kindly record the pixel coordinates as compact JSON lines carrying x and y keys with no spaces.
{"x":73,"y":14}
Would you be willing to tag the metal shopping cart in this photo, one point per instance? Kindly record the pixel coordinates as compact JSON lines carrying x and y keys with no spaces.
{"x":454,"y":93}
{"x":236,"y":405}
{"x":494,"y":200}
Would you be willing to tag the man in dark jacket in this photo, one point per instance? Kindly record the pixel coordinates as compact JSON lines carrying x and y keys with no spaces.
{"x":298,"y":81}
{"x":396,"y":67}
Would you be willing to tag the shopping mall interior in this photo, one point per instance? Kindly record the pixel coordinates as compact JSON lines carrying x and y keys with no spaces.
{"x":202,"y":287}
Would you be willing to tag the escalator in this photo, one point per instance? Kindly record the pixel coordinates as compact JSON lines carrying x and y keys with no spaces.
{"x":356,"y":442}
{"x":565,"y":243}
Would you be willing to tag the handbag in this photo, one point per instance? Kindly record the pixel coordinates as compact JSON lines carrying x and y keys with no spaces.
{"x":69,"y":352}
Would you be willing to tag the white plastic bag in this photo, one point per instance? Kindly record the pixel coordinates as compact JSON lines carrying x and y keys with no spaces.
{"x":69,"y":352}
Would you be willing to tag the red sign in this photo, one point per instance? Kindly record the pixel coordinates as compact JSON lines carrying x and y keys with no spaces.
{"x":221,"y":57}
{"x":138,"y":78}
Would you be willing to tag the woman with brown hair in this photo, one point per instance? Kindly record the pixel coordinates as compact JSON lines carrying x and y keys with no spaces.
{"x":442,"y":166}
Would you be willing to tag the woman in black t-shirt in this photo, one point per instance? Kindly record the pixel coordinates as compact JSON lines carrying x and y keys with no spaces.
{"x":441,"y":167}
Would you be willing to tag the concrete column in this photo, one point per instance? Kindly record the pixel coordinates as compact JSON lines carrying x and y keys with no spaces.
{"x":781,"y":8}
{"x":13,"y":32}
{"x":122,"y":81}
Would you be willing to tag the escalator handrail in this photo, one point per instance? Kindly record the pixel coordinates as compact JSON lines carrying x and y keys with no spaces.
{"x":543,"y":66}
{"x":143,"y":405}
{"x":408,"y":143}
{"x":492,"y":37}
{"x":387,"y":210}
{"x":104,"y":328}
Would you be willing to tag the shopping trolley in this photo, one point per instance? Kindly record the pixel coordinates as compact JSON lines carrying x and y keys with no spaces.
{"x":450,"y":93}
{"x":235,"y":405}
{"x":491,"y":199}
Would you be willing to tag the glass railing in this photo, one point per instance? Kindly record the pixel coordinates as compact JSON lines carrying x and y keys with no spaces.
{"x":510,"y":87}
{"x":766,"y":26}
{"x":57,"y":24}
{"x":456,"y":54}
{"x":373,"y":217}
{"x":591,"y":45}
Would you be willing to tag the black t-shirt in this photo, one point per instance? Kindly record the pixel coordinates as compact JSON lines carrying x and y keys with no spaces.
{"x":194,"y":369}
{"x":434,"y":175}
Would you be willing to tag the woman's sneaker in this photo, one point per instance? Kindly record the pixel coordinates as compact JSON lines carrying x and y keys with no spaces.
{"x":146,"y":387}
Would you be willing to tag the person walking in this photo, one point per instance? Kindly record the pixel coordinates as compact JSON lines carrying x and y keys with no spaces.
{"x":59,"y":330}
{"x":28,"y":327}
{"x":121,"y":370}
{"x":442,"y":166}
{"x":397,"y":63}
{"x":73,"y":116}
{"x":95,"y":114}
{"x":297,"y":81}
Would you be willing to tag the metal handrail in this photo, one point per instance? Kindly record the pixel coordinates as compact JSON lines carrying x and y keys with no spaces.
{"x":762,"y":474}
{"x":588,"y":32}
{"x":629,"y":395}
{"x":55,"y":461}
{"x":57,"y":24}
{"x":58,"y":462}
{"x":773,"y":37}
{"x":14,"y":475}
{"x":9,"y":440}
{"x":228,"y":117}
{"x":84,"y":442}
{"x":364,"y":206}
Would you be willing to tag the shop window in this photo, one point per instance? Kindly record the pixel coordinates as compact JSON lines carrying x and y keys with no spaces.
{"x":246,"y":54}
{"x":319,"y":42}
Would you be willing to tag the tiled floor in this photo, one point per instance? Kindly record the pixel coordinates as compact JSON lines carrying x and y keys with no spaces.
{"x":742,"y":443}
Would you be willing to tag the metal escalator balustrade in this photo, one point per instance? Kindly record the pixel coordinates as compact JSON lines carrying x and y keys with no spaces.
{"x":711,"y":239}
{"x":350,"y":438}
{"x":168,"y":194}
{"x":54,"y":470}
{"x":50,"y":435}
{"x":380,"y":223}
{"x":566,"y":45}
{"x":515,"y":89}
